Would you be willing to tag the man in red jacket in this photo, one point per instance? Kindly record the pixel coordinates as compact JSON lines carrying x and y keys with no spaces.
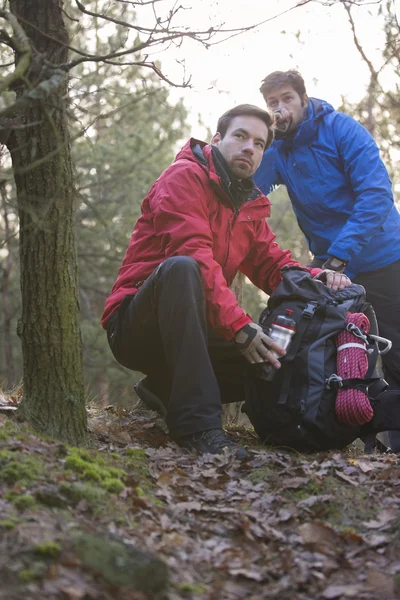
{"x":171,"y":313}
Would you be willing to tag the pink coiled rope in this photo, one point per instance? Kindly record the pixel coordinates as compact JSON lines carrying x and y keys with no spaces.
{"x":352,"y":406}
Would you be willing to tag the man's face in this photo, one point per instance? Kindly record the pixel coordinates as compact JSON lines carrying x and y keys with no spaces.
{"x":243,"y":144}
{"x":289,"y":102}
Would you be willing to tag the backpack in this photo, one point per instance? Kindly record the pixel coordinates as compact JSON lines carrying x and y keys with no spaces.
{"x":297,"y":408}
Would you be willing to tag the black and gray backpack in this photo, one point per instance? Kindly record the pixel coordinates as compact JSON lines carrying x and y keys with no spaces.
{"x":297,"y":408}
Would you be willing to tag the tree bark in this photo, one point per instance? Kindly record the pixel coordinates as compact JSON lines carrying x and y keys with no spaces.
{"x":5,"y":293}
{"x":53,"y":400}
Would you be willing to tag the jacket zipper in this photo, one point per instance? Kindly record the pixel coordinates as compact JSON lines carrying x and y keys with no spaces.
{"x":231,"y":223}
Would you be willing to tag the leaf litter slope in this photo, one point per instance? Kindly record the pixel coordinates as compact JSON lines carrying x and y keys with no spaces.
{"x":284,"y":525}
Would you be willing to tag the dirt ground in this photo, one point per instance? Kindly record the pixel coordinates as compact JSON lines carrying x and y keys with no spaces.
{"x":133,"y":517}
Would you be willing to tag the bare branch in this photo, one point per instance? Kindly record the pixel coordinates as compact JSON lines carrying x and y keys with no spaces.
{"x":20,"y":42}
{"x":144,"y":3}
{"x":40,"y":93}
{"x":360,"y":49}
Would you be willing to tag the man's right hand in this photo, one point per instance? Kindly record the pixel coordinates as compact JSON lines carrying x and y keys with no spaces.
{"x":256,"y":346}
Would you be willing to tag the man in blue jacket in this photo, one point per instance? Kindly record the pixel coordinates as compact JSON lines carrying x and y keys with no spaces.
{"x":342,"y":197}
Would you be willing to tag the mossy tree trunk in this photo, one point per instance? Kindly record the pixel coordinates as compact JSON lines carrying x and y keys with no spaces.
{"x":53,"y":400}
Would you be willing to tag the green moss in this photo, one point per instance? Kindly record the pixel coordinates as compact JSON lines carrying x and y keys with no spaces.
{"x":10,"y":523}
{"x":135,"y":452}
{"x":18,"y":467}
{"x":94,"y":496}
{"x":122,"y":565}
{"x":36,"y":571}
{"x":192,"y":588}
{"x":24,"y":501}
{"x":48,"y":549}
{"x":85,"y":464}
{"x":113,"y":485}
{"x":28,"y":575}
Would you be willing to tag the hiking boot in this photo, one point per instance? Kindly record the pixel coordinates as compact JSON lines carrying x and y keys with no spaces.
{"x":149,"y":398}
{"x":212,"y":441}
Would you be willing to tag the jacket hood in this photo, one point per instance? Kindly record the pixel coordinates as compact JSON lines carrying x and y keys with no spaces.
{"x":197,"y":151}
{"x":307,"y":130}
{"x":202,"y":153}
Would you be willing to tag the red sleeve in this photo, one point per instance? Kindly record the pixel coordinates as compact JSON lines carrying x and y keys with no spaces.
{"x":262,"y":265}
{"x":181,"y":219}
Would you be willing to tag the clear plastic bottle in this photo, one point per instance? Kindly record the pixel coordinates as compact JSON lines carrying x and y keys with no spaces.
{"x":282,"y":330}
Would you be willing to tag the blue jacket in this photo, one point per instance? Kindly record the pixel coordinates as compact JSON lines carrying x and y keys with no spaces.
{"x":339,"y":188}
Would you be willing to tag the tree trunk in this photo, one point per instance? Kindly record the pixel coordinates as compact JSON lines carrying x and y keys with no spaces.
{"x":53,"y":400}
{"x":5,"y":295}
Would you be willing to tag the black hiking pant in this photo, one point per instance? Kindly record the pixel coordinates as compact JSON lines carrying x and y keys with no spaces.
{"x":162,"y":332}
{"x":383,"y":292}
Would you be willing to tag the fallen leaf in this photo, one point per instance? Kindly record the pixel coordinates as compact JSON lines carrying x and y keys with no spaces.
{"x":285,"y":514}
{"x":346,"y":478}
{"x":248,"y":573}
{"x":336,"y":591}
{"x":295,"y":482}
{"x":383,"y":519}
{"x":320,"y":537}
{"x":377,"y":540}
{"x":381,"y":583}
{"x":188,"y":506}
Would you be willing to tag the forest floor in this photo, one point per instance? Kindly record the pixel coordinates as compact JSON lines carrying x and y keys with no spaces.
{"x":133,"y":517}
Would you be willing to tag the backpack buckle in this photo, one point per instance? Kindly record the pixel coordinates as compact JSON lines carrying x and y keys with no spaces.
{"x":309,"y":310}
{"x":334,"y":382}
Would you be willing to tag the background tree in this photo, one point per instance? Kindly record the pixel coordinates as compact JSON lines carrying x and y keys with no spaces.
{"x":379,"y":110}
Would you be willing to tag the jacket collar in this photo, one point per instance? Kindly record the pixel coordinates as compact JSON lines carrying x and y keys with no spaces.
{"x":308,"y":128}
{"x":219,"y":172}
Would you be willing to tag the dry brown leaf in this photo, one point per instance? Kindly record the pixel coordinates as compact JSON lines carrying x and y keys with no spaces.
{"x":381,"y":583}
{"x":248,"y":573}
{"x":383,"y":519}
{"x":377,"y":539}
{"x":118,"y":435}
{"x":295,"y":482}
{"x":74,"y":593}
{"x":320,"y":537}
{"x":346,"y":478}
{"x":188,"y":506}
{"x":338,"y":591}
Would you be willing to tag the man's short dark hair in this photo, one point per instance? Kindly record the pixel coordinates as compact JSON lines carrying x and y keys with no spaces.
{"x":247,"y":110}
{"x":278,"y":79}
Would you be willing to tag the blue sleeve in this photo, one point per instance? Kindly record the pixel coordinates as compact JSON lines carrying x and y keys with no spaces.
{"x":370,"y":185}
{"x":267,"y":176}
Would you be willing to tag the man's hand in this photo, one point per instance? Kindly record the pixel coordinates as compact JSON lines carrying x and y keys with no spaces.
{"x":256,"y":346}
{"x":283,"y":119}
{"x":333,"y":279}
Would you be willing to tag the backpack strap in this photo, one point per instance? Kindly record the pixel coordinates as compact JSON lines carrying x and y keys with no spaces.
{"x":305,"y":320}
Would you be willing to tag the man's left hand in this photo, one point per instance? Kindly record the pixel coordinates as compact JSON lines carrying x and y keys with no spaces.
{"x":333,"y":279}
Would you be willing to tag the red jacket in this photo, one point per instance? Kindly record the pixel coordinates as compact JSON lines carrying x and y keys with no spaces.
{"x":188,"y":213}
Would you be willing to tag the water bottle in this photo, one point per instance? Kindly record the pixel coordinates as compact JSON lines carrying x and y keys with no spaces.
{"x":281,"y":125}
{"x":282,"y":330}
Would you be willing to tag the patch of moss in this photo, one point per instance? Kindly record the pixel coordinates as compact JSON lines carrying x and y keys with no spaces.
{"x":135,"y":462}
{"x":13,"y":429}
{"x":18,"y":468}
{"x":265,"y":474}
{"x":191,"y":588}
{"x":85,"y":464}
{"x":135,"y":452}
{"x":24,"y":501}
{"x":48,"y":549}
{"x":114,"y":486}
{"x":122,"y":565}
{"x":94,"y":496}
{"x":36,"y":571}
{"x":345,"y":509}
{"x":10,"y":523}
